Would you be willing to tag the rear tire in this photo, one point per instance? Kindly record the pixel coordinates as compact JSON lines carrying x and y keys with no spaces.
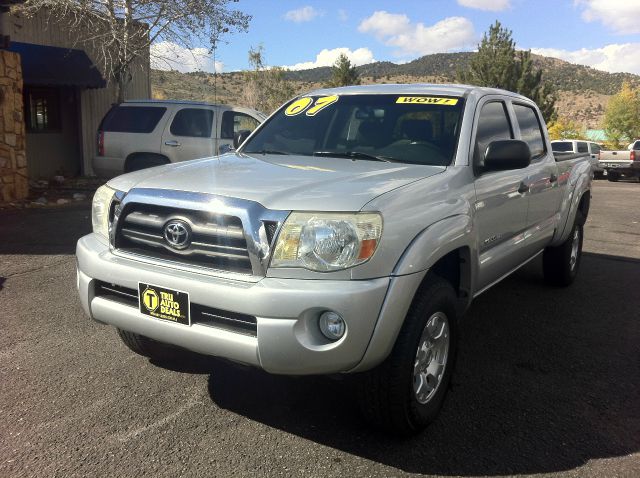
{"x":613,"y":177}
{"x":561,"y":263}
{"x":147,"y":347}
{"x":405,"y":393}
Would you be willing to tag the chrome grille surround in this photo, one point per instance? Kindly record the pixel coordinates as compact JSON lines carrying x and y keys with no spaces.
{"x":230,"y":229}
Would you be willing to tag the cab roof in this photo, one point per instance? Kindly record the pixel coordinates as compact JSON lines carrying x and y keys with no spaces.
{"x":414,"y":89}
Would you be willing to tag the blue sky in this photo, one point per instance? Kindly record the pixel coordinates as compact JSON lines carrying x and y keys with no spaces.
{"x":604,"y":34}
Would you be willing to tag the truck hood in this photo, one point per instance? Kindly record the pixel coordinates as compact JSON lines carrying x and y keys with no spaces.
{"x":282,"y":182}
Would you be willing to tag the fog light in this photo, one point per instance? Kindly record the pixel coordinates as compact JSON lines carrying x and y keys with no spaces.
{"x":332,"y":325}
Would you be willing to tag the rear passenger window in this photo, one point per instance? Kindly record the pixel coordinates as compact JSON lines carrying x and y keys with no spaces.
{"x":132,"y":119}
{"x":192,"y":122}
{"x":583,"y":147}
{"x":493,"y":125}
{"x":530,"y":129}
{"x":234,"y":121}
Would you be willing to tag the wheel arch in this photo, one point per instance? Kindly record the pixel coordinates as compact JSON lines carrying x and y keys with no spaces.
{"x":157,"y":158}
{"x":432,"y":252}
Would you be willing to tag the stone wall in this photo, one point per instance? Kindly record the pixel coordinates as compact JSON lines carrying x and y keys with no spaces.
{"x":14,"y":183}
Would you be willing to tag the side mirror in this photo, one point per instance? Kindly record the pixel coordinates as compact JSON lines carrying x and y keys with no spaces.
{"x":224,"y":149}
{"x":507,"y":154}
{"x":239,"y":137}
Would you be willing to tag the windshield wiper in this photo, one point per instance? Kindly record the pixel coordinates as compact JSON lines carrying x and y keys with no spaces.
{"x":265,"y":151}
{"x":354,"y":155}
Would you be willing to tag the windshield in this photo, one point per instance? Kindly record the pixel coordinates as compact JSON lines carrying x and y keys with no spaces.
{"x":562,"y":146}
{"x":394,"y":128}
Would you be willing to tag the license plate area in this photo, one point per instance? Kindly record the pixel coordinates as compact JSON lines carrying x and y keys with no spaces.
{"x":164,"y":304}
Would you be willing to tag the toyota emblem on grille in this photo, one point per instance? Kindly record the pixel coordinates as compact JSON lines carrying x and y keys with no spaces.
{"x":177,"y":234}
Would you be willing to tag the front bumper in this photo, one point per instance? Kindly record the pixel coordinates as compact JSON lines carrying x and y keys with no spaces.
{"x":288,"y":340}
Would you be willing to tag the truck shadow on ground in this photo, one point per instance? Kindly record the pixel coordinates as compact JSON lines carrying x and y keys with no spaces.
{"x":546,"y":380}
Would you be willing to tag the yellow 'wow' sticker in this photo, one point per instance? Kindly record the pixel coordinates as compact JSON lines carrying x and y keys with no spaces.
{"x":427,"y":100}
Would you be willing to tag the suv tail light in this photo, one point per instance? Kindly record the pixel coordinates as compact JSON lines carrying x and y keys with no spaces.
{"x":100,"y":143}
{"x":634,"y":156}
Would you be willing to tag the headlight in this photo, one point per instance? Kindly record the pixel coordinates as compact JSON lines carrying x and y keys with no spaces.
{"x":327,"y":241}
{"x":100,"y":210}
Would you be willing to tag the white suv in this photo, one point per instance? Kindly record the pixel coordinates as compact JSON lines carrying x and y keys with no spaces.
{"x":140,"y":134}
{"x":581,"y":147}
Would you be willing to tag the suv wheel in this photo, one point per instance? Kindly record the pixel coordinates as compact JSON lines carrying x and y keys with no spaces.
{"x":147,"y":347}
{"x":405,"y":393}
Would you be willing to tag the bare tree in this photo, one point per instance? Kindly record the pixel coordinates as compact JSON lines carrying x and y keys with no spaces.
{"x":121,"y":32}
{"x":265,"y":88}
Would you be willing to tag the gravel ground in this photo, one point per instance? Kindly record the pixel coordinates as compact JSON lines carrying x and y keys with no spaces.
{"x":547,"y":380}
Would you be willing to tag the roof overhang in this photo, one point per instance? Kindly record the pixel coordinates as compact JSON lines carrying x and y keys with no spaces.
{"x":53,"y":66}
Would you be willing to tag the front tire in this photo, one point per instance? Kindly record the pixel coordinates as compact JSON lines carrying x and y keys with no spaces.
{"x":147,"y":347}
{"x":561,"y":263}
{"x":405,"y":393}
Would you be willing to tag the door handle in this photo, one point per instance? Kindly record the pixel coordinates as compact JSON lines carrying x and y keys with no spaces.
{"x":523,"y":188}
{"x":173,"y":143}
{"x":553,"y":178}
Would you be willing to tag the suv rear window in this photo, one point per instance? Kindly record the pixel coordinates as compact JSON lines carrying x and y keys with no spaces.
{"x":562,"y":146}
{"x":132,"y":119}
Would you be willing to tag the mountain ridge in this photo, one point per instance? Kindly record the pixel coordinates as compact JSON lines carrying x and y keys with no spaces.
{"x":583,"y":92}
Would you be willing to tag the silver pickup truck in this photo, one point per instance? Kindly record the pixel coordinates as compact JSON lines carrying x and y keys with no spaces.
{"x":348,"y":234}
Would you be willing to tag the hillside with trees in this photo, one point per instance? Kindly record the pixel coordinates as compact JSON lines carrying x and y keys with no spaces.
{"x":582,"y":92}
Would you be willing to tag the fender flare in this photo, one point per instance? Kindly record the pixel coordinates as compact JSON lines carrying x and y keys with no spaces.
{"x":429,"y":246}
{"x":576,"y":195}
{"x":434,"y":242}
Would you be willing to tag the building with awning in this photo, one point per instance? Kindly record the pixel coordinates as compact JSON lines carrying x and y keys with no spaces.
{"x":65,"y":95}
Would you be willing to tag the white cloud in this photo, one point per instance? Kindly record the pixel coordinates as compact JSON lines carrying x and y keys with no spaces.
{"x":612,"y":58}
{"x":490,"y":5}
{"x":343,"y":16}
{"x":621,"y":16}
{"x":303,"y":14}
{"x":169,"y":56}
{"x":326,"y":57}
{"x":395,"y":29}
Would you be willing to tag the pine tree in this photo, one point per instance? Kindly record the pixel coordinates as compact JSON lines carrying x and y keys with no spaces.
{"x":343,"y":73}
{"x":497,"y":64}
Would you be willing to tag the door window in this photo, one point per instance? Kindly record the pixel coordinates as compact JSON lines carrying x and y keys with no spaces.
{"x":234,"y":121}
{"x":595,"y":148}
{"x":583,"y":147}
{"x":493,"y":125}
{"x":192,"y":122}
{"x":530,"y":129}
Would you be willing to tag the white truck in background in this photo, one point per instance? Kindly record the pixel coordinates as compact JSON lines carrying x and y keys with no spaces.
{"x":625,"y":163}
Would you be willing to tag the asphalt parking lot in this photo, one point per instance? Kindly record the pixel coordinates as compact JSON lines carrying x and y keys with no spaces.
{"x":547,"y":380}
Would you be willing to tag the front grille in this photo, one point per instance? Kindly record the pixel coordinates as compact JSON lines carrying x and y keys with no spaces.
{"x":217,"y":241}
{"x":200,"y":314}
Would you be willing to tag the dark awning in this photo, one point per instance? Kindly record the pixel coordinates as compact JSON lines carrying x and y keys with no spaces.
{"x":53,"y":66}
